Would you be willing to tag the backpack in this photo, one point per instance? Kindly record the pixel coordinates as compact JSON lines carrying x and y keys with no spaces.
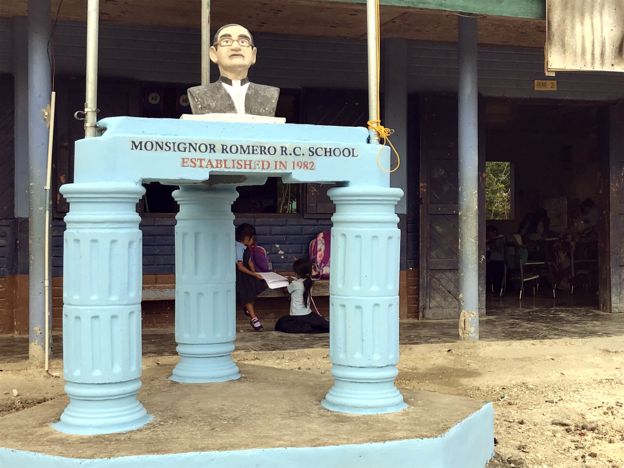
{"x":319,"y":253}
{"x":260,"y":259}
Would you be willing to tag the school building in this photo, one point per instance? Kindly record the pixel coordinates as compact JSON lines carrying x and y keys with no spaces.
{"x":557,"y":140}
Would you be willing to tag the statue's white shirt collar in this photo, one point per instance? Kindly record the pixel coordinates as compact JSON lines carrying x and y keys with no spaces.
{"x":237,"y":92}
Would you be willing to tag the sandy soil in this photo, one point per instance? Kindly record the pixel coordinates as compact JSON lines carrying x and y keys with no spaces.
{"x":559,"y":403}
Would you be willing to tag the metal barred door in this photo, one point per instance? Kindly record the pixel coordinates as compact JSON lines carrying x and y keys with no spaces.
{"x":439,"y":244}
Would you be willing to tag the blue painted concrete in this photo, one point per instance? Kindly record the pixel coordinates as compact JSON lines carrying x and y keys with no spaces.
{"x":102,"y":258}
{"x":205,"y":312}
{"x":102,"y":353}
{"x":469,"y":444}
{"x":364,"y":301}
{"x":138,"y":149}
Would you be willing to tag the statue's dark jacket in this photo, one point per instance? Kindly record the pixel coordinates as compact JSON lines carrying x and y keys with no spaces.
{"x":213,"y":99}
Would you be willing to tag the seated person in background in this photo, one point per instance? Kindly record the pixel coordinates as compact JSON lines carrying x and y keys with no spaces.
{"x":535,"y":225}
{"x":534,"y":228}
{"x":584,"y":225}
{"x":495,"y":255}
{"x":301,"y":318}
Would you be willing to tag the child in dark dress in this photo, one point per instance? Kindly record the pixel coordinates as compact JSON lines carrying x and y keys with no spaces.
{"x":248,"y":283}
{"x":301,"y":318}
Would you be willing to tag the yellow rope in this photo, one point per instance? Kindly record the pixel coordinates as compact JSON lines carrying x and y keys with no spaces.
{"x":375,"y":125}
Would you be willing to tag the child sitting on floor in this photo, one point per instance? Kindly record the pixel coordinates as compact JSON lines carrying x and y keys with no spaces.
{"x":302,"y":319}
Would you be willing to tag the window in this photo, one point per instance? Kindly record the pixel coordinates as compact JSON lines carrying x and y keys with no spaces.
{"x":272,"y":197}
{"x":498,"y":190}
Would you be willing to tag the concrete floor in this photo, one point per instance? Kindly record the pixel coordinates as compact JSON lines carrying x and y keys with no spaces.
{"x":536,"y":318}
{"x":266,"y":408}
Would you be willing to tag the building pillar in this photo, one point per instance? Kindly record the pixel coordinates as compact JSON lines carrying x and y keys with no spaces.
{"x":396,"y":99}
{"x":205,"y":306}
{"x":39,"y":89}
{"x":102,"y":269}
{"x":364,"y":301}
{"x":468,"y":150}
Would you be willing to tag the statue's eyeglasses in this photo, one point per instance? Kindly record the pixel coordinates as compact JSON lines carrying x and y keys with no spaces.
{"x":228,"y":42}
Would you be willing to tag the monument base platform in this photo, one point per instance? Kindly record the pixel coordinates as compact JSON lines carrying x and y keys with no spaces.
{"x":269,"y":418}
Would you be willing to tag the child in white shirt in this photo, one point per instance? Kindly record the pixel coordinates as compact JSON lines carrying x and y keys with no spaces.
{"x":301,"y":318}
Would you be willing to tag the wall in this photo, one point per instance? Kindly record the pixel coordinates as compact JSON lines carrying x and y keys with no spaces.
{"x":172,"y":55}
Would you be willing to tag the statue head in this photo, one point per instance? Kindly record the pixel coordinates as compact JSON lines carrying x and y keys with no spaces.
{"x":233,"y":51}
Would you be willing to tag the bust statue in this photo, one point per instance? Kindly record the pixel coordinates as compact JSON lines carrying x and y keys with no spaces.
{"x":234,"y":52}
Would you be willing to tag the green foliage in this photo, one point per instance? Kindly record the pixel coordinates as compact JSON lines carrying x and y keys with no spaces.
{"x":498,"y":190}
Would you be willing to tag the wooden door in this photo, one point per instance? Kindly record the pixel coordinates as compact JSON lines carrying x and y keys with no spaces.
{"x":439,"y":220}
{"x":611,"y":261}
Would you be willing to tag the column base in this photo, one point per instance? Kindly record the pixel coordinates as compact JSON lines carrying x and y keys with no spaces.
{"x":361,"y":390}
{"x":96,"y":409}
{"x":194,"y":367}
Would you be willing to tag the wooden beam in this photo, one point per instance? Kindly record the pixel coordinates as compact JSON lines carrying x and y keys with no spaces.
{"x":528,"y":9}
{"x":324,"y":18}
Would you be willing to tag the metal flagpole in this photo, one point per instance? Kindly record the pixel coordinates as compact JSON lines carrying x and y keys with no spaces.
{"x":373,"y":63}
{"x":93,"y":17}
{"x":205,"y":42}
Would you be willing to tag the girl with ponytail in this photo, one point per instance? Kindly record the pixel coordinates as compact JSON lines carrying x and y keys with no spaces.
{"x":302,"y":319}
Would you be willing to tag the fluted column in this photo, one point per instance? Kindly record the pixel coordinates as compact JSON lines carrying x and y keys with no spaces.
{"x":102,"y":309}
{"x":364,"y":301}
{"x":205,"y":308}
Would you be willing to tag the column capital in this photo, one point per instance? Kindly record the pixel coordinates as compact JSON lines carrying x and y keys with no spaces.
{"x":362,"y":195}
{"x":103,"y":191}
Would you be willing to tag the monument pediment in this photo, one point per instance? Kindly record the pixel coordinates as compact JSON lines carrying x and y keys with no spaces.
{"x":190,"y":151}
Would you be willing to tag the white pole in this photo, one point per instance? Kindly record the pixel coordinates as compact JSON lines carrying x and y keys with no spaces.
{"x":93,"y":16}
{"x":205,"y":42}
{"x":46,"y":271}
{"x":373,"y":62}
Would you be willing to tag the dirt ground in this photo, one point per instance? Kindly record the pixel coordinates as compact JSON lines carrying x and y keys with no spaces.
{"x":559,"y":399}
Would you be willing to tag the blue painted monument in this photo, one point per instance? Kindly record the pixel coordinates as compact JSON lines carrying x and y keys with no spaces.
{"x":102,"y":333}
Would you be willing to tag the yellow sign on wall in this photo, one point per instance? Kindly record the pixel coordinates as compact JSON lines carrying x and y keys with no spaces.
{"x":545,"y":85}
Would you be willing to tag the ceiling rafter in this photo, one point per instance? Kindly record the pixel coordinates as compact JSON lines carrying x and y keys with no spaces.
{"x":300,"y":17}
